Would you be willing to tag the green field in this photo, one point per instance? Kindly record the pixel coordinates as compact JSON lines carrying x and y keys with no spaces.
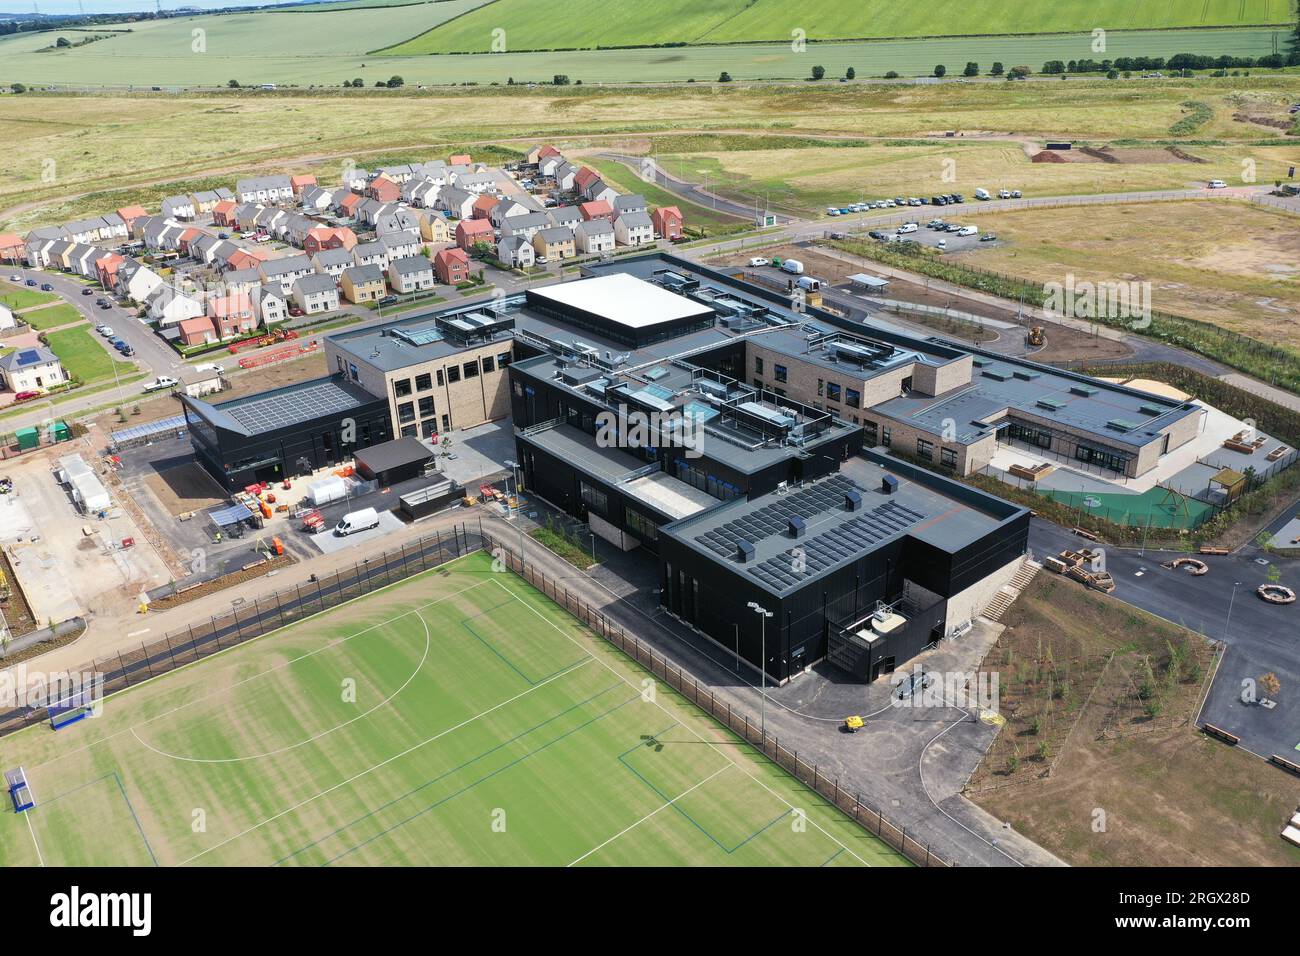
{"x":584,"y":24}
{"x":624,"y":180}
{"x":487,"y":727}
{"x":22,"y":298}
{"x":252,"y":56}
{"x":51,"y":316}
{"x":84,"y":356}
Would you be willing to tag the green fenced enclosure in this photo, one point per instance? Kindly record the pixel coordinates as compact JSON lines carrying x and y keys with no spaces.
{"x":1154,"y":508}
{"x":459,"y":716}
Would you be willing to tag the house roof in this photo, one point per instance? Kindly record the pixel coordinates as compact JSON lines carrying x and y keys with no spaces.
{"x":316,"y":282}
{"x":629,"y":201}
{"x":364,"y":275}
{"x":634,"y":220}
{"x":474,"y":227}
{"x":228,"y":305}
{"x":28,"y":357}
{"x":200,"y":324}
{"x":595,"y":227}
{"x":594,"y":208}
{"x":458,"y":255}
{"x":411,"y":265}
{"x":556,"y":234}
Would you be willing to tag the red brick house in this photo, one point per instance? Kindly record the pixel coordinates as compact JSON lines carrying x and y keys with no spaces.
{"x":233,"y":314}
{"x":470,"y":231}
{"x":459,"y":159}
{"x":384,"y":189}
{"x":106,"y":270}
{"x":585,"y":177}
{"x":11,"y":247}
{"x":483,"y":206}
{"x":349,"y":203}
{"x":223,"y":214}
{"x":130,"y":214}
{"x":321,"y":238}
{"x":597,"y":209}
{"x":667,"y":221}
{"x":186,"y":237}
{"x":299,"y":183}
{"x":197,"y":331}
{"x":452,"y":266}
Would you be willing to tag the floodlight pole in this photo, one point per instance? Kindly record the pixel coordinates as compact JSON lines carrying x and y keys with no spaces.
{"x":764,"y":614}
{"x":519,"y":525}
{"x":1228,"y":621}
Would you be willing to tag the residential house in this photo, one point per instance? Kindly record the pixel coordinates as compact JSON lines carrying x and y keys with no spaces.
{"x":555,"y":242}
{"x":550,"y":164}
{"x":12,"y":248}
{"x":565,"y":173}
{"x":598,"y":190}
{"x":397,"y":219}
{"x":356,"y":179}
{"x":459,"y":159}
{"x":667,"y":221}
{"x":243,"y":215}
{"x":130,"y":214}
{"x":370,"y":211}
{"x":316,"y":293}
{"x":169,"y":305}
{"x":136,"y":282}
{"x":565,"y":216}
{"x":347,"y":204}
{"x":399,"y":174}
{"x":634,"y":229}
{"x":315,"y":199}
{"x":527,"y":225}
{"x":7,"y":320}
{"x":239,"y":259}
{"x":233,"y":314}
{"x":434,"y":227}
{"x":286,"y":271}
{"x":265,"y":189}
{"x":178,"y":207}
{"x":114,"y":227}
{"x":370,"y":254}
{"x":400,"y":245}
{"x":472,"y":231}
{"x":422,"y":193}
{"x":294,"y":228}
{"x":197,"y":331}
{"x":242,"y":280}
{"x":272,"y":304}
{"x":411,"y":274}
{"x":106,"y":270}
{"x":457,"y":202}
{"x":597,"y":209}
{"x":539,"y":152}
{"x":383,"y":189}
{"x":452,"y":266}
{"x":321,"y":238}
{"x":476,"y":183}
{"x":207,"y":200}
{"x":632,"y":202}
{"x":482,"y":207}
{"x":582,"y":178}
{"x":84,"y":230}
{"x":332,"y":262}
{"x":516,"y":251}
{"x":363,"y":284}
{"x":301,"y":183}
{"x":31,"y":369}
{"x":594,"y":236}
{"x":504,"y":209}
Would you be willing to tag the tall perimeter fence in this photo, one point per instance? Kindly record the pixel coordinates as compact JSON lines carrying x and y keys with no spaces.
{"x":245,"y":622}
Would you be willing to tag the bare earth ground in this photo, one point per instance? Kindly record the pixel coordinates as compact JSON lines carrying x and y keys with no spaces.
{"x":1116,"y":786}
{"x":185,"y":488}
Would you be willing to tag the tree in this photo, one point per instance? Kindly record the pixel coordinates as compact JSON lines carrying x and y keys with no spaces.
{"x":395,"y":81}
{"x":63,"y":42}
{"x":818,"y":72}
{"x":850,"y":74}
{"x":891,"y":75}
{"x":18,"y":88}
{"x":560,"y":79}
{"x":724,"y":77}
{"x":1113,"y":75}
{"x":1018,"y":72}
{"x":358,"y":83}
{"x":940,"y":70}
{"x":997,"y":68}
{"x":233,"y":84}
{"x":972,"y":69}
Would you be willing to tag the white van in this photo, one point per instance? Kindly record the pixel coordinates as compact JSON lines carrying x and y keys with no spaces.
{"x":982,"y":194}
{"x":809,"y":284}
{"x":908,"y":227}
{"x":967,"y":231}
{"x":792,"y":266}
{"x":362,"y":520}
{"x":1218,"y":184}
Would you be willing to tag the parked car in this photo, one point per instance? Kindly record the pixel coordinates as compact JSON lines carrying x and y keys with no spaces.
{"x":87,"y":291}
{"x":106,"y":304}
{"x":161,"y":382}
{"x":15,"y":278}
{"x":31,"y":282}
{"x":105,"y":330}
{"x":1218,"y":184}
{"x":942,"y":244}
{"x":1016,"y":194}
{"x":46,"y":287}
{"x":388,"y":300}
{"x":210,"y":367}
{"x":27,"y":396}
{"x":908,"y":227}
{"x":757,"y":261}
{"x":988,"y":237}
{"x":353,"y":521}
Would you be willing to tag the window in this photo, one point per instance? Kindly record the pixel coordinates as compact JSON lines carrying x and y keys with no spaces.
{"x":426,"y":407}
{"x":487,"y":365}
{"x":453,"y":374}
{"x":446,"y":423}
{"x":423,"y":382}
{"x":832,"y":392}
{"x":439,"y":378}
{"x":779,"y":372}
{"x":885,"y":436}
{"x":948,"y":457}
{"x":402,"y":387}
{"x":594,"y":498}
{"x":871,"y":433}
{"x":471,"y":369}
{"x":503,"y":359}
{"x":925,"y":449}
{"x":406,"y":412}
{"x":519,"y":390}
{"x":642,"y":525}
{"x":758,"y":364}
{"x":852,"y":398}
{"x":821,"y":388}
{"x":408,"y":431}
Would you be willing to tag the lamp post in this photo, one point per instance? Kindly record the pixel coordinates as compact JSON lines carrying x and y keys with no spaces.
{"x":764,"y":614}
{"x":513,"y":513}
{"x":1228,"y":621}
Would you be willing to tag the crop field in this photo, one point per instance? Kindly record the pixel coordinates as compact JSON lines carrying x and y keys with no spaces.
{"x":1235,"y":265}
{"x":162,"y":55}
{"x":459,"y":718}
{"x":812,"y":178}
{"x":570,"y":24}
{"x":623,"y":179}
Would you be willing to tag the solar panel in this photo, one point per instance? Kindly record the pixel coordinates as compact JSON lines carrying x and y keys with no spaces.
{"x":282,"y":410}
{"x":151,"y":428}
{"x":28,"y":357}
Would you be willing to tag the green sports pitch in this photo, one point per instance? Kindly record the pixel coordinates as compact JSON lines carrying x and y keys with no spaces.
{"x":457,"y":718}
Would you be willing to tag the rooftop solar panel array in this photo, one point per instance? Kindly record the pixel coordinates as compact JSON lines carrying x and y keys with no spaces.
{"x":853,"y":538}
{"x":148,"y":429}
{"x":774,"y":518}
{"x":283,"y":409}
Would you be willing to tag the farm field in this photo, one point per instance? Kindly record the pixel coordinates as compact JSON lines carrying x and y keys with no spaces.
{"x":564,"y":24}
{"x":487,"y":727}
{"x":1171,"y":796}
{"x":813,"y":178}
{"x":623,"y":179}
{"x":84,"y":356}
{"x":148,"y":146}
{"x":1235,"y":265}
{"x":254,"y":57}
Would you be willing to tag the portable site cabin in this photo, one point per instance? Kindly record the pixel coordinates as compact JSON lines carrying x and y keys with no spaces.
{"x":28,"y":438}
{"x":90,"y":494}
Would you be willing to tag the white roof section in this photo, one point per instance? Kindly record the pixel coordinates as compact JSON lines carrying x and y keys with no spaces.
{"x":623,"y":299}
{"x":670,"y":495}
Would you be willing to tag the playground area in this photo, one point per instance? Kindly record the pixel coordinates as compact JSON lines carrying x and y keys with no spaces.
{"x":457,"y":718}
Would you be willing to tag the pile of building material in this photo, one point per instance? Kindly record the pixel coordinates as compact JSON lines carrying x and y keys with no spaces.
{"x":87,"y":490}
{"x":1292,"y":832}
{"x":1085,"y":566}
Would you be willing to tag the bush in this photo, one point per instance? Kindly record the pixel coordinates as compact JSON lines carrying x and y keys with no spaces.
{"x":724,"y":77}
{"x":818,"y":72}
{"x":940,"y":70}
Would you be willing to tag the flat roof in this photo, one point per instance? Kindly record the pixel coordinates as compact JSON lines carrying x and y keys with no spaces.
{"x":393,"y":454}
{"x":284,"y":407}
{"x":623,"y":299}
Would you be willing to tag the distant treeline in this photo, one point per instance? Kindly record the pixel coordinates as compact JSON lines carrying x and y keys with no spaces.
{"x":1178,"y":62}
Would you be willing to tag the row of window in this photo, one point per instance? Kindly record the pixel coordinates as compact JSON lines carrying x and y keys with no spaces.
{"x":831,"y":391}
{"x":402,"y":387}
{"x":874,"y":434}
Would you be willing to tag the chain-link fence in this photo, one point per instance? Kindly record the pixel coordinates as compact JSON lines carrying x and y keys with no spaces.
{"x":246,"y":621}
{"x":737,"y":721}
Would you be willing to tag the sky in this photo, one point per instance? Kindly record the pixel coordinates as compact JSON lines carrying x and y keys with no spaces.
{"x":126,"y":6}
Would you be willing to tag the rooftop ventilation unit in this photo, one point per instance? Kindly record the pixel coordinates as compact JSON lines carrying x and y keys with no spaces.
{"x":1087,"y":391}
{"x":996,"y":374}
{"x":1025,"y":375}
{"x":708,"y":387}
{"x":888,"y":485}
{"x":852,"y":501}
{"x":1051,"y":404}
{"x":797,"y":527}
{"x":1151,"y":410}
{"x":744,"y":552}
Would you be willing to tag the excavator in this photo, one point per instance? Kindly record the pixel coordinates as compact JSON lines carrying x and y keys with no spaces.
{"x":1036,"y":336}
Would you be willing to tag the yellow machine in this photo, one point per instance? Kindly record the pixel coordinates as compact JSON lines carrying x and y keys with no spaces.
{"x":1036,"y":336}
{"x":853,"y":724}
